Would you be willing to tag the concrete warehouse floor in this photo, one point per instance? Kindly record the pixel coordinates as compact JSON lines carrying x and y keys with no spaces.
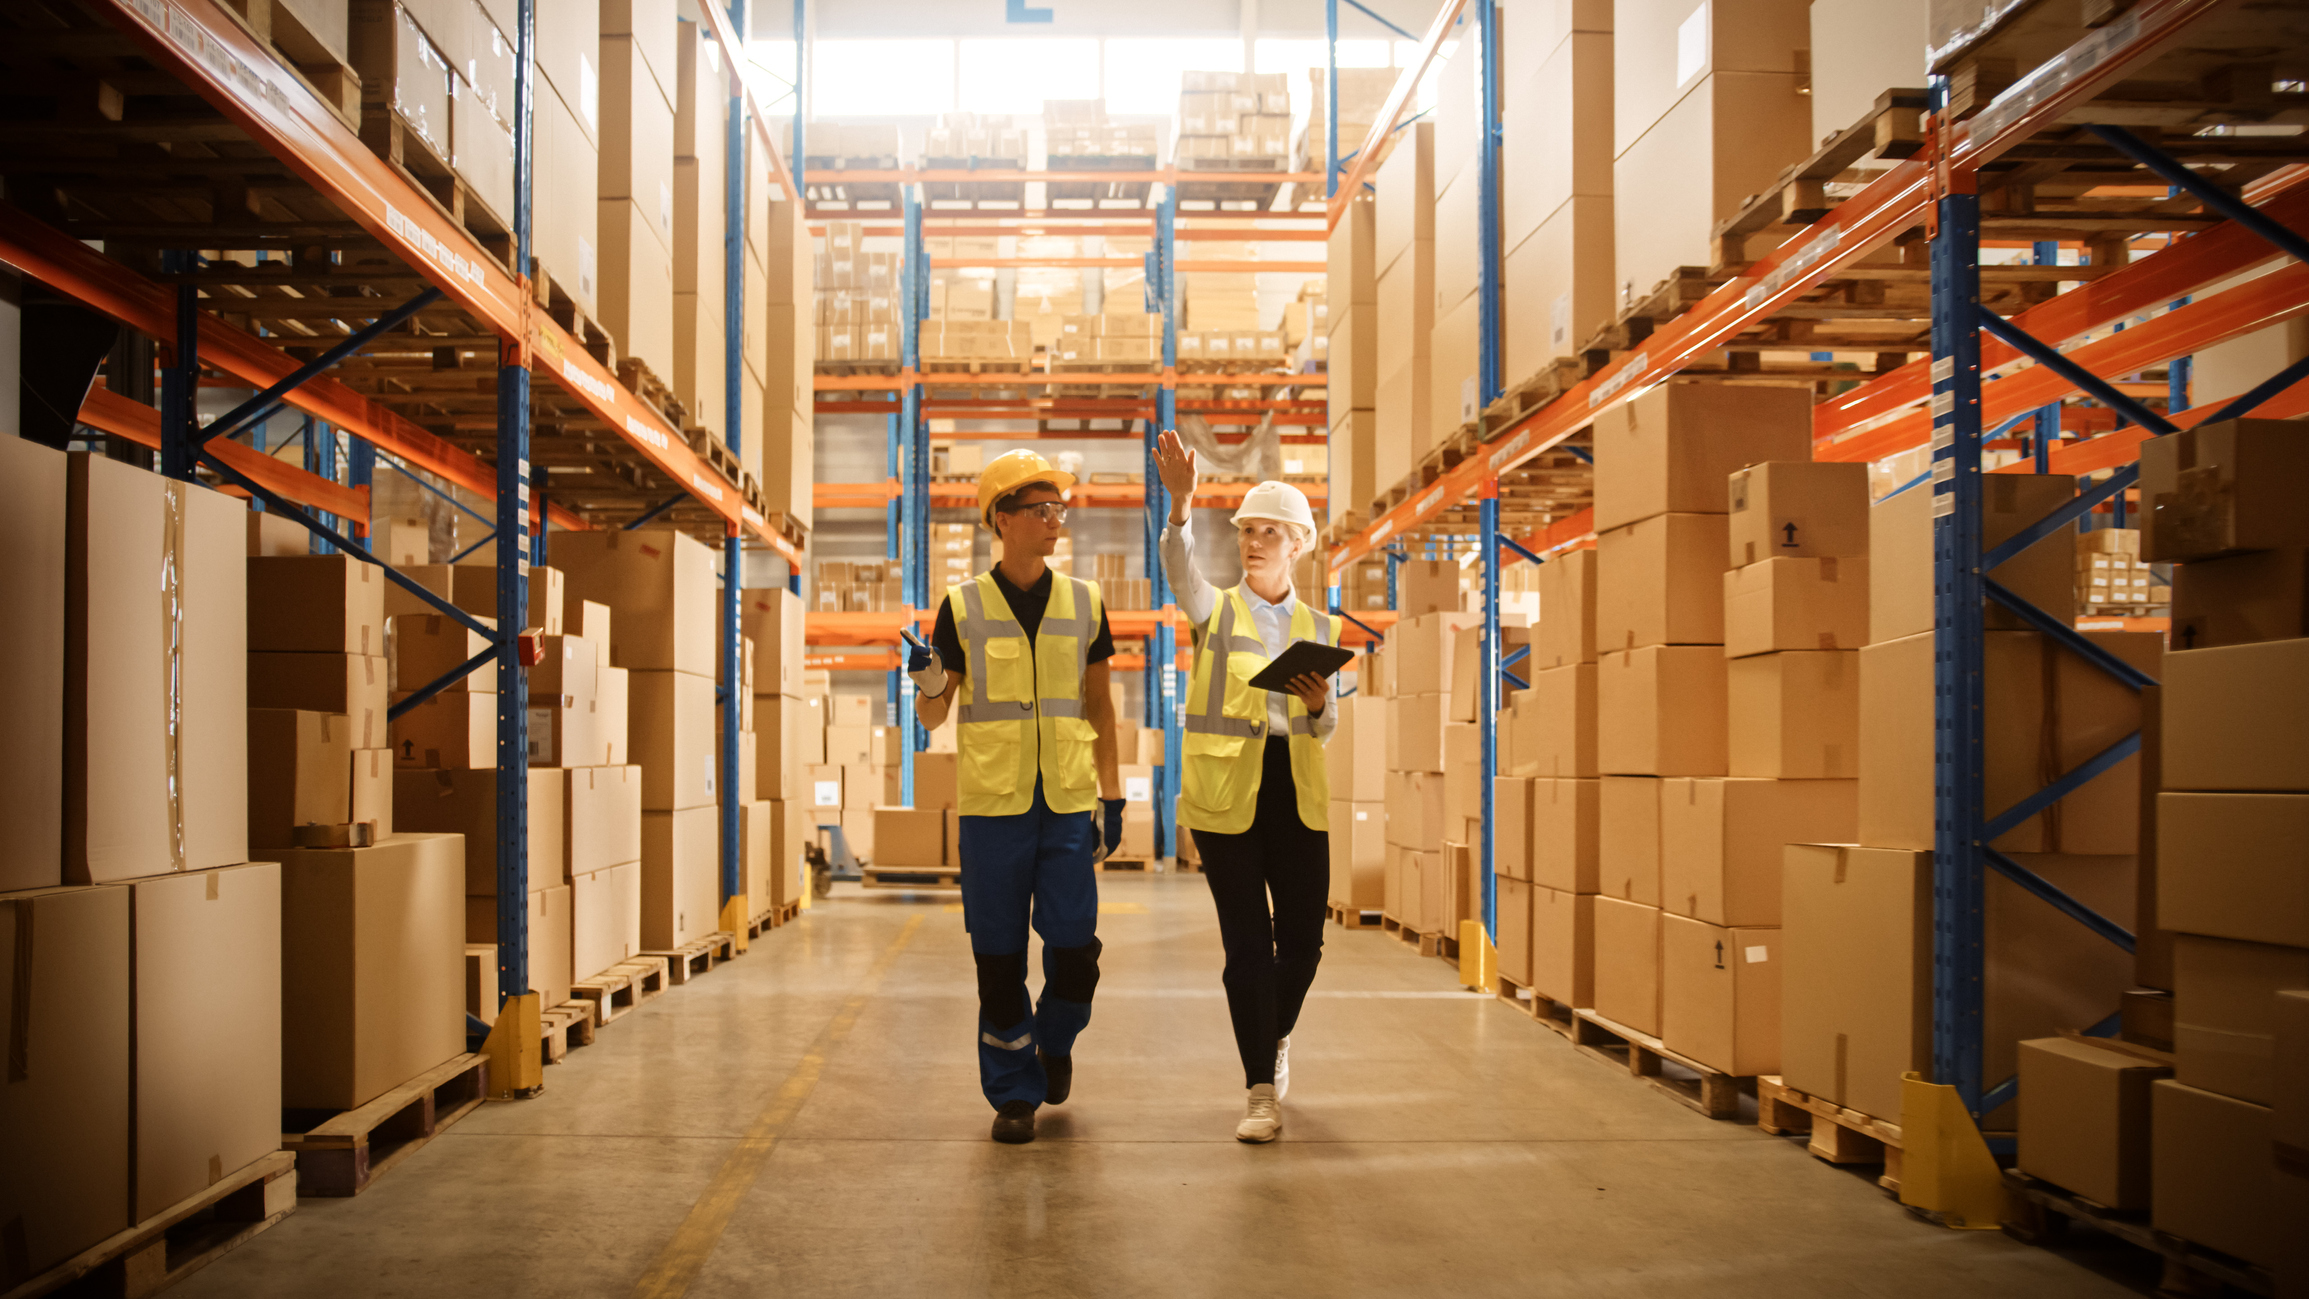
{"x":806,"y":1120}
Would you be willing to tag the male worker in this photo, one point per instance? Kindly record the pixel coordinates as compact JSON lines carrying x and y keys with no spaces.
{"x":1020,"y":654}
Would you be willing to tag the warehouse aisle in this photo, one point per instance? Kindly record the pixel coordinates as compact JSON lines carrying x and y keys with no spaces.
{"x":805,"y":1120}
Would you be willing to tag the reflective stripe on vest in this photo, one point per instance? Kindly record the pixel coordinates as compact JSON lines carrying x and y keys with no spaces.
{"x":1223,"y":762}
{"x":1049,"y":729}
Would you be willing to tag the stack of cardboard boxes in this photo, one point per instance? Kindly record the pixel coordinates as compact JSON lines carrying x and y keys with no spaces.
{"x":436,"y":76}
{"x":857,"y":299}
{"x":1231,"y":115}
{"x":1456,"y":318}
{"x":1548,"y":743}
{"x":2110,"y":576}
{"x":1403,"y":264}
{"x":2187,"y":1135}
{"x":1353,"y":363}
{"x":788,"y":738}
{"x":1362,"y":94}
{"x":1857,"y":919}
{"x":700,"y":322}
{"x":847,"y":785}
{"x":1661,"y":525}
{"x":1555,"y":184}
{"x":663,"y":601}
{"x":636,"y":176}
{"x":1424,"y":887}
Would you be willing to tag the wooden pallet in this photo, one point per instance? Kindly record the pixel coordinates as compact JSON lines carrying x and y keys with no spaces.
{"x":911,"y":877}
{"x":343,"y":1153}
{"x":622,"y":987}
{"x":564,"y":1027}
{"x":1353,"y":917}
{"x":1710,"y":1091}
{"x":1892,"y":129}
{"x":764,"y":923}
{"x":179,"y":1240}
{"x":1427,"y":944}
{"x":1547,"y":1010}
{"x":694,"y":958}
{"x":2040,"y":1213}
{"x":887,"y":366}
{"x":1838,"y":1135}
{"x":322,"y":68}
{"x":1127,"y":865}
{"x":1553,"y":380}
{"x":418,"y":160}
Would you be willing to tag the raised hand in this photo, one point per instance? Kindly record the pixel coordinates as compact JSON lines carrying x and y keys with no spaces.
{"x":1176,"y":464}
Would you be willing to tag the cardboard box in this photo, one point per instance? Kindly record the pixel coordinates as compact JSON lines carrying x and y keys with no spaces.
{"x":1795,"y":604}
{"x":673,"y":725}
{"x":427,"y":647}
{"x":1513,"y":950}
{"x":1511,"y":833}
{"x":2086,"y":1127}
{"x":1720,"y":995}
{"x":2224,"y":1012}
{"x":315,"y":604}
{"x":1563,"y":945}
{"x":2231,"y":866}
{"x":2240,"y":599}
{"x":1562,"y":704}
{"x":605,"y":919}
{"x":1660,"y":581}
{"x":2219,"y":489}
{"x":1627,"y":964}
{"x":1660,"y":711}
{"x":1426,"y":649}
{"x":1426,"y":586}
{"x":1722,"y":842}
{"x":1794,"y":715}
{"x":1404,"y":212}
{"x":372,"y":789}
{"x":2212,"y":1178}
{"x":2025,"y":732}
{"x":1660,"y":51}
{"x":65,"y":1112}
{"x":2230,"y":715}
{"x":372,"y":967}
{"x":1671,"y":449}
{"x":134,"y":804}
{"x":1414,"y":803}
{"x":300,"y":768}
{"x":473,"y":588}
{"x":32,"y":534}
{"x":1463,"y":771}
{"x":1856,"y":983}
{"x":449,"y":730}
{"x":1356,"y":757}
{"x":1900,"y":554}
{"x":1467,"y":664}
{"x":1559,"y":286}
{"x":681,"y":876}
{"x":774,"y":619}
{"x":550,"y":936}
{"x":351,"y":684}
{"x":1415,"y":732}
{"x":904,"y":836}
{"x":464,"y":803}
{"x":1566,"y":633}
{"x":1358,"y":853}
{"x":662,"y":588}
{"x":1628,"y":838}
{"x":1566,"y":834}
{"x":1798,"y":509}
{"x":481,"y":982}
{"x":1728,"y":137}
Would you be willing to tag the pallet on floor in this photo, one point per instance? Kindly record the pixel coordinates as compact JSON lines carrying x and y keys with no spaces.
{"x":765,"y":922}
{"x":911,"y":877}
{"x":1838,"y":1135}
{"x":1128,"y":865}
{"x":564,"y":1027}
{"x":622,"y":987}
{"x":1547,"y":1010}
{"x":1428,"y":944}
{"x":1710,"y":1091}
{"x":694,"y":958}
{"x":179,"y":1240}
{"x":2039,"y":1213}
{"x":344,"y":1152}
{"x":1347,"y":917}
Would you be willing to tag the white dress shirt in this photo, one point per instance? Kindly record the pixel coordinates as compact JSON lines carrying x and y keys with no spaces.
{"x":1197,"y":598}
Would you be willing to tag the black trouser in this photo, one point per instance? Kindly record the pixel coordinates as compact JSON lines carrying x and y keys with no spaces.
{"x":1271,"y":954}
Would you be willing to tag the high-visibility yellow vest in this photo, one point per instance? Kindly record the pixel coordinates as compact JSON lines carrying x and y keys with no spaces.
{"x":1019,"y":713}
{"x":1226,"y":723}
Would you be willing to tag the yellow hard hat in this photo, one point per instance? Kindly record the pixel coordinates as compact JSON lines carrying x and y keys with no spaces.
{"x":1010,"y":471}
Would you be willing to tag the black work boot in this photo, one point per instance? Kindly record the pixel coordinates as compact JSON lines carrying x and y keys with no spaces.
{"x":1058,"y":1077}
{"x":1014,"y":1122}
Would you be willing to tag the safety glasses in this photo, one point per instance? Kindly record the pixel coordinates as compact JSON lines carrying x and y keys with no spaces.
{"x":1050,"y":512}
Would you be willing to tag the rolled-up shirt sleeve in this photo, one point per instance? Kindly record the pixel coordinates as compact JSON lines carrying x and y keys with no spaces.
{"x":1190,"y":591}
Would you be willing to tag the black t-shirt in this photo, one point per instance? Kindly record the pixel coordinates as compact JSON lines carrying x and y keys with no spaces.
{"x":1027,"y":606}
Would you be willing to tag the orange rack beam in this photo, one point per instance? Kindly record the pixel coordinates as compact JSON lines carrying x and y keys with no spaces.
{"x":935,"y":175}
{"x":1087,"y":378}
{"x":835,"y":496}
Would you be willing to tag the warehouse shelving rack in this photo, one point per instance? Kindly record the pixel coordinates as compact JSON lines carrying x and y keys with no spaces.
{"x":1943,"y":402}
{"x":262,"y":138}
{"x":1148,"y":400}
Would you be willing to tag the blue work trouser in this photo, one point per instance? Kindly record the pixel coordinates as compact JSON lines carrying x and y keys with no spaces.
{"x":1033,"y":867}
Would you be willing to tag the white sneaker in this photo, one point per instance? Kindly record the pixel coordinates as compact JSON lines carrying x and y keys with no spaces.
{"x":1263,"y":1117}
{"x":1282,"y":1068}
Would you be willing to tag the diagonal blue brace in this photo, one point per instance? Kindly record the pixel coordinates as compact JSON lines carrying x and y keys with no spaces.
{"x":344,"y":543}
{"x":657,"y":509}
{"x":2067,"y":636}
{"x":460,"y":555}
{"x":1521,"y":653}
{"x":1520,"y":683}
{"x":2219,"y":200}
{"x":2069,"y":512}
{"x":443,"y":682}
{"x":1582,"y":454}
{"x":1999,"y":1094}
{"x":1367,"y":12}
{"x":1374,"y":631}
{"x":1918,"y":481}
{"x":2003,"y":822}
{"x":1520,"y":549}
{"x":450,"y":497}
{"x":2086,"y":381}
{"x":271,"y":399}
{"x":2060,"y":901}
{"x":2263,"y":391}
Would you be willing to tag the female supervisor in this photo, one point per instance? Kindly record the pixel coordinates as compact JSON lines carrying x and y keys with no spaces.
{"x":1253,"y":787}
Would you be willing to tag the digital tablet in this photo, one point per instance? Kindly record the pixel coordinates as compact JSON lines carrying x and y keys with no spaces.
{"x":1301,"y":656}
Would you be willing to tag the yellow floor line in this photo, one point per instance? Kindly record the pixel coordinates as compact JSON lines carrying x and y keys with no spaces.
{"x":683,"y":1257}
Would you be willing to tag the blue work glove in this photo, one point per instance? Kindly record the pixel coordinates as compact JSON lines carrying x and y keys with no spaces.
{"x":1109,"y":827}
{"x":925,"y":669}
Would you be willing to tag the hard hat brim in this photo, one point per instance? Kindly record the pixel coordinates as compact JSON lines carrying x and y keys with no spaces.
{"x":1058,"y":480}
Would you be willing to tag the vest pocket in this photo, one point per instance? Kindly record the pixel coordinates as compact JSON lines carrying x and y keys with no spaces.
{"x":1076,"y":760}
{"x":1009,"y":675}
{"x":1212,"y":776}
{"x":989,"y":758}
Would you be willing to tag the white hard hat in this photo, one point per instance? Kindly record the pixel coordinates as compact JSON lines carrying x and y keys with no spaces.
{"x":1278,"y":501}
